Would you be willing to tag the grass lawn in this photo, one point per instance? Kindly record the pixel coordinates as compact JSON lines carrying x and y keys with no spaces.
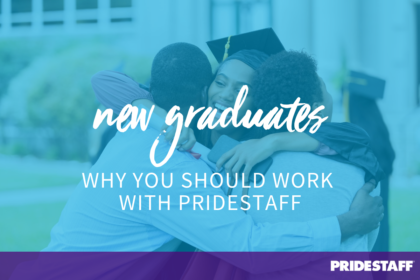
{"x":27,"y":228}
{"x":404,"y":207}
{"x":14,"y":179}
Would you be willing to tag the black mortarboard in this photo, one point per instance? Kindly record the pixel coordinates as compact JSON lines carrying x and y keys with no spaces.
{"x":368,"y":86}
{"x":251,"y":48}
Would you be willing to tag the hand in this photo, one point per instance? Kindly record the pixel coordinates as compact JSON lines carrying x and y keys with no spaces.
{"x":365,"y":214}
{"x":369,"y":210}
{"x":186,"y":139}
{"x":245,"y":156}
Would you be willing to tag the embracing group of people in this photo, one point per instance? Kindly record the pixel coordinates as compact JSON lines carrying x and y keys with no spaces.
{"x":343,"y":218}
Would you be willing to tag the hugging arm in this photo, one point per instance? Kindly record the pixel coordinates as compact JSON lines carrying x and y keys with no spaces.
{"x":344,"y":142}
{"x":352,"y":145}
{"x":340,"y":141}
{"x":114,"y":90}
{"x":234,"y":231}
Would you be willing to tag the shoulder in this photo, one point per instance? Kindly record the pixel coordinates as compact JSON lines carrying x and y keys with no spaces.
{"x":346,"y":131}
{"x":108,"y":74}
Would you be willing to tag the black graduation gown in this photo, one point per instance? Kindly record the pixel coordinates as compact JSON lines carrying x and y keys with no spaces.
{"x":352,"y":145}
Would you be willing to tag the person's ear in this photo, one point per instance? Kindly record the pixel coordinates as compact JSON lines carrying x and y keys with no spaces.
{"x":204,"y":96}
{"x":316,"y":105}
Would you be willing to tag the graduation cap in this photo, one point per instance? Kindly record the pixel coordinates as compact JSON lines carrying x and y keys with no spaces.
{"x":264,"y":41}
{"x":365,"y":85}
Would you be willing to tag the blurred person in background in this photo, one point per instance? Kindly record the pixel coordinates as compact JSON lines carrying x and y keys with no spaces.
{"x":362,"y":91}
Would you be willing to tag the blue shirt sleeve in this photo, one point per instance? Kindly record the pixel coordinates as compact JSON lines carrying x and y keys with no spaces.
{"x":234,"y":231}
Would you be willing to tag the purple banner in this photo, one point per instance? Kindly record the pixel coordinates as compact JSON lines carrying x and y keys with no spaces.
{"x":188,"y":265}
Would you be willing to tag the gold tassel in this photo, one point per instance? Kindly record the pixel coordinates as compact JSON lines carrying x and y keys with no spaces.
{"x":346,"y":105}
{"x":227,"y":46}
{"x":358,"y":81}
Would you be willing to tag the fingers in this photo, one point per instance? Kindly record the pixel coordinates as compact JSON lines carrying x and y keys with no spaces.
{"x":170,"y":133}
{"x":378,"y":200}
{"x":378,"y":223}
{"x":229,"y":165}
{"x":238,"y":166}
{"x":232,"y":181}
{"x":369,"y":186}
{"x":224,"y":158}
{"x":247,"y":171}
{"x":381,"y":217}
{"x":190,"y":142}
{"x":164,"y":127}
{"x":183,"y":138}
{"x":381,"y":211}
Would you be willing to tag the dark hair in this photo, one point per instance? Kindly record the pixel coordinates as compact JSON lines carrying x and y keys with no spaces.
{"x":180,"y":71}
{"x":284,"y":77}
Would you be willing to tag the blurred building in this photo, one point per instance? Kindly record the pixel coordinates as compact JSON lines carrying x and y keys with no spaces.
{"x":379,"y":37}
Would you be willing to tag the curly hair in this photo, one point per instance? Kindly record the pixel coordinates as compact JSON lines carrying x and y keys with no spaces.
{"x":284,"y":77}
{"x":179,"y":73}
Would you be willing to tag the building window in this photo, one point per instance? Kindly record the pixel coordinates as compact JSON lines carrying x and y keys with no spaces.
{"x":121,"y":3}
{"x":21,"y":6}
{"x":53,"y":5}
{"x":86,"y":4}
{"x":230,"y":17}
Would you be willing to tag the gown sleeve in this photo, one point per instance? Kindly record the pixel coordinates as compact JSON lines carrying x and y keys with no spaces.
{"x":114,"y":90}
{"x":352,"y":145}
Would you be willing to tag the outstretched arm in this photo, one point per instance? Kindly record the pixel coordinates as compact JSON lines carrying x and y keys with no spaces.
{"x":114,"y":90}
{"x":234,"y":231}
{"x":343,"y":142}
{"x":246,"y":155}
{"x":352,"y":145}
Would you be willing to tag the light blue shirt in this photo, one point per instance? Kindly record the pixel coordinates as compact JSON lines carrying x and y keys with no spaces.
{"x":93,"y":219}
{"x":317,"y":200}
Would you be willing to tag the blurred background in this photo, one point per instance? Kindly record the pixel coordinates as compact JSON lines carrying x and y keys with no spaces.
{"x":49,"y":49}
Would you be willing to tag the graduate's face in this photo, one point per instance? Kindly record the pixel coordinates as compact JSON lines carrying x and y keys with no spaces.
{"x":230,"y":78}
{"x":326,"y":101}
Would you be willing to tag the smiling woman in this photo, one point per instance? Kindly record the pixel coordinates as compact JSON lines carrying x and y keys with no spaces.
{"x":227,"y":116}
{"x":223,"y":91}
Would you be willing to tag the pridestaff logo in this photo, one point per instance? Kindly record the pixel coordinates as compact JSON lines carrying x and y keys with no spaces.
{"x":372,"y":266}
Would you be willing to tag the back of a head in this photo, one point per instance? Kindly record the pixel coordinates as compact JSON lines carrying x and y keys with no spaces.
{"x":284,"y":77}
{"x":179,"y":73}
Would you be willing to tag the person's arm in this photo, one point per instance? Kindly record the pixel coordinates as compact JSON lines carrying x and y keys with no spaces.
{"x":352,"y":145}
{"x":115,"y":90}
{"x":340,"y":141}
{"x":234,"y":231}
{"x":247,"y":154}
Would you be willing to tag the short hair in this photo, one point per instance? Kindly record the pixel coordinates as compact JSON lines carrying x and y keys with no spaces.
{"x":179,"y":73}
{"x":284,"y":77}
